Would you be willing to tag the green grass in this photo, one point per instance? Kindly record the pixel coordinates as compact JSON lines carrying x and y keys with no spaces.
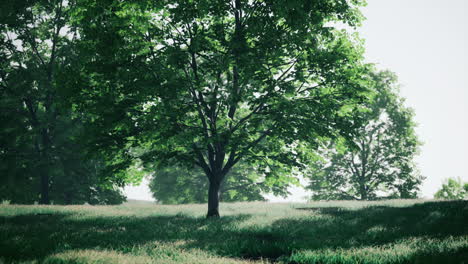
{"x":399,"y":231}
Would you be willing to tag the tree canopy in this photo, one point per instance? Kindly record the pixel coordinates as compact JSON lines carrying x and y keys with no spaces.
{"x":41,"y":156}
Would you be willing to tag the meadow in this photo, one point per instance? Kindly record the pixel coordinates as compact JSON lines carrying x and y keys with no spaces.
{"x":396,"y":231}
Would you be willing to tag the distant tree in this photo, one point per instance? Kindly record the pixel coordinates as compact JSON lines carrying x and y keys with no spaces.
{"x":379,"y":158}
{"x":106,"y":196}
{"x":79,"y":180}
{"x":180,"y":185}
{"x":452,"y":189}
{"x":211,"y":83}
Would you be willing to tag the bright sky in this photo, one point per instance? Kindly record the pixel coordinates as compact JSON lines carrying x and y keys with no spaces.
{"x":425,"y":42}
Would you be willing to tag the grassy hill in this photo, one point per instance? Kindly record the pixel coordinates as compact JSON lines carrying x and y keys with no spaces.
{"x":399,"y":231}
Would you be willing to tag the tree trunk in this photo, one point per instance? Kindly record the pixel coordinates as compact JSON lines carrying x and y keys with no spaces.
{"x":213,"y":199}
{"x":44,"y":188}
{"x":68,"y":197}
{"x":363,"y":192}
{"x":45,"y":167}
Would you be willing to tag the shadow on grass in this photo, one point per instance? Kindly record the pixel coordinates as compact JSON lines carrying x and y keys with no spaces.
{"x":376,"y":225}
{"x":342,"y":228}
{"x":33,"y":236}
{"x":27,"y":237}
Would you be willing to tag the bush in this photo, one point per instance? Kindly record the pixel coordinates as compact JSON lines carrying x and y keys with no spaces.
{"x":453,"y":189}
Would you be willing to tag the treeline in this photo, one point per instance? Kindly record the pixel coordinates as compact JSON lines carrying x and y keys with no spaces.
{"x":212,"y":99}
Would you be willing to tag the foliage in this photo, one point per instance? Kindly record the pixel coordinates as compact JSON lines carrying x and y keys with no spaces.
{"x":390,"y":232}
{"x":378,"y":159}
{"x":93,"y":90}
{"x":41,"y":155}
{"x":211,"y":83}
{"x":180,"y":185}
{"x":452,"y":189}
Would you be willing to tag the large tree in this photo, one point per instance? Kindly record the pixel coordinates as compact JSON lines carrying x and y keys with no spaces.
{"x":41,"y":155}
{"x":379,"y":158}
{"x":213,"y":83}
{"x":34,"y":48}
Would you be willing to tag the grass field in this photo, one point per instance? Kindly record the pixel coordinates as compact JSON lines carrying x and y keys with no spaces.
{"x":398,"y":231}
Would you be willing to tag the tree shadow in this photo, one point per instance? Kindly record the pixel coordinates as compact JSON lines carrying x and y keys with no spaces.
{"x":342,"y":228}
{"x":430,"y":219}
{"x":32,"y":236}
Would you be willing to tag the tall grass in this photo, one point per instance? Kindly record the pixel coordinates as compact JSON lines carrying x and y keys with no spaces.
{"x":397,"y":231}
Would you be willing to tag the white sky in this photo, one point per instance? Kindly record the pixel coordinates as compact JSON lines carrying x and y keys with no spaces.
{"x":425,"y":42}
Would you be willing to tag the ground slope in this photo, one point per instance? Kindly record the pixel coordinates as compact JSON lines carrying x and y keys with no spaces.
{"x":398,"y":231}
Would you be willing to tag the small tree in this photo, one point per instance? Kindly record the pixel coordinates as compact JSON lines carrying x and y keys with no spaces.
{"x":452,"y":189}
{"x":378,"y":159}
